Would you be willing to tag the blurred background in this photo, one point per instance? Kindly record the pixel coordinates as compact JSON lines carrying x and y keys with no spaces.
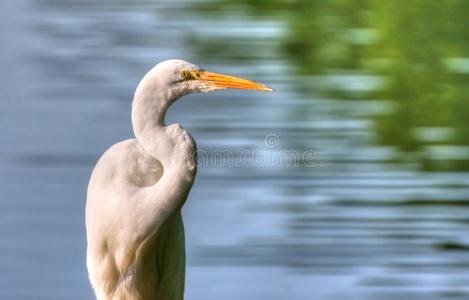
{"x":377,"y":89}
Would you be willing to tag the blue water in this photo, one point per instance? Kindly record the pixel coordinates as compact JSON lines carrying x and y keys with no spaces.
{"x":359,"y":223}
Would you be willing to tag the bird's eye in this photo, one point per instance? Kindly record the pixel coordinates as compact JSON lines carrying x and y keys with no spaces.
{"x":186,"y":75}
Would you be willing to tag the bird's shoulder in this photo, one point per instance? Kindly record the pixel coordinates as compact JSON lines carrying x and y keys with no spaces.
{"x":127,"y":161}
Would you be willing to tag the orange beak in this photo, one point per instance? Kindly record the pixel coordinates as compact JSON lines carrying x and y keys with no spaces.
{"x":221,"y":81}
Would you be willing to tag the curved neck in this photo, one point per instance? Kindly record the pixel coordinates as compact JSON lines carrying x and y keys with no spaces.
{"x":148,"y":115}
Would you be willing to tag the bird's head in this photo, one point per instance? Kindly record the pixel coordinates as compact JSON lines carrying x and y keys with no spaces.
{"x":179,"y":78}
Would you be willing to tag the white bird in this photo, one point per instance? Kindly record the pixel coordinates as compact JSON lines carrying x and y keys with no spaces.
{"x":134,"y":227}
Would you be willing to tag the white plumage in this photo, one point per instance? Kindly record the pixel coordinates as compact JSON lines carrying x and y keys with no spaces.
{"x":134,"y":226}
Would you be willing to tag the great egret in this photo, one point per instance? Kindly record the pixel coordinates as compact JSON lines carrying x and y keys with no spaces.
{"x":134,"y":226}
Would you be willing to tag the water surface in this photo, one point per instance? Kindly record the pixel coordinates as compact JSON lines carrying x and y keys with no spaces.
{"x":381,"y":213}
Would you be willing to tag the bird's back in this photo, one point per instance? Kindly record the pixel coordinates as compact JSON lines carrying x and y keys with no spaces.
{"x":123,"y":261}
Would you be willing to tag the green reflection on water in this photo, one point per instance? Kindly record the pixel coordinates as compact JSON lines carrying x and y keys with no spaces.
{"x":420,"y":48}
